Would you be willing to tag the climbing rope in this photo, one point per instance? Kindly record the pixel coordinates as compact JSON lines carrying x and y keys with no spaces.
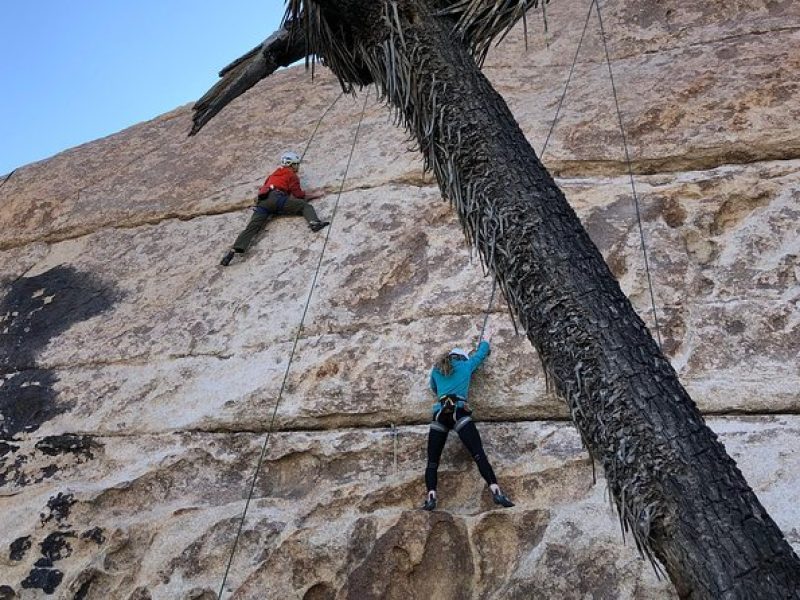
{"x":292,"y":353}
{"x":395,"y":433}
{"x":547,"y":139}
{"x":595,"y":4}
{"x":316,"y":127}
{"x":569,"y":78}
{"x":630,"y":175}
{"x":544,"y":147}
{"x":488,"y":308}
{"x":544,"y":22}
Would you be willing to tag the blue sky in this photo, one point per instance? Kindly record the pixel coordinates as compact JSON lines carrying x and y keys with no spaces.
{"x":77,"y":70}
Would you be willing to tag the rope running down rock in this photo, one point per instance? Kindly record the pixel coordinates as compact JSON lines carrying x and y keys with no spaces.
{"x":294,"y":348}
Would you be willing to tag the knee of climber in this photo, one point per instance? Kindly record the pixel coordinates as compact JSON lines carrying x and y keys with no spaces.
{"x":436,"y":426}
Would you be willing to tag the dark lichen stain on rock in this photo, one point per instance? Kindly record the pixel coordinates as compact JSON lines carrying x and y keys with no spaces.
{"x":26,"y":400}
{"x":46,"y":580}
{"x":59,"y":507}
{"x":6,"y":448}
{"x":67,"y":444}
{"x":95,"y":534}
{"x":43,"y":575}
{"x":7,"y":593}
{"x":141,"y":593}
{"x":13,"y":472}
{"x":19,"y":547}
{"x":47,"y":472}
{"x":33,"y":311}
{"x":55,"y":546}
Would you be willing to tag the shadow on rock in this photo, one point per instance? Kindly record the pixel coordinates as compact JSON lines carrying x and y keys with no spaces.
{"x":34,"y":311}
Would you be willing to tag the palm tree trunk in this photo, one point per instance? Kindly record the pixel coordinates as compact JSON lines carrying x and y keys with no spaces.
{"x":675,"y":487}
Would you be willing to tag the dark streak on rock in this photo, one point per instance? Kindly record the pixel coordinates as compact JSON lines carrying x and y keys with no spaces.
{"x":47,"y":472}
{"x":33,"y":312}
{"x":82,"y":592}
{"x":141,"y":593}
{"x":43,"y":576}
{"x":7,"y":593}
{"x":13,"y":472}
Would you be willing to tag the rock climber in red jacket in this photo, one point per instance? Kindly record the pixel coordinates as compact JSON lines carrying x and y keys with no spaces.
{"x":281,"y":194}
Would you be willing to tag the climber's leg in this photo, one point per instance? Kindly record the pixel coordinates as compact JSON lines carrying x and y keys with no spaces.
{"x":465,"y":427}
{"x":437,"y":436}
{"x":257,"y":221}
{"x":468,"y":432}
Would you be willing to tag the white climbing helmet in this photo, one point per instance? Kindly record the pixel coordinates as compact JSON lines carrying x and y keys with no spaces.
{"x":459,"y":352}
{"x":289,"y":159}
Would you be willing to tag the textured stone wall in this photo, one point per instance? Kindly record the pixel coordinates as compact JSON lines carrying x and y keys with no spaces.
{"x":139,"y":378}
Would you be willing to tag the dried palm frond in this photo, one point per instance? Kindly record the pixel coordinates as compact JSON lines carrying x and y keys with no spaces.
{"x":314,"y":30}
{"x":328,"y":39}
{"x":476,"y":22}
{"x":479,"y":22}
{"x":278,"y":50}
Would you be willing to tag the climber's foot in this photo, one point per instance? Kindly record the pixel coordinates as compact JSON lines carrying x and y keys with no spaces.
{"x":500,"y":498}
{"x":317,"y":225}
{"x":226,"y":260}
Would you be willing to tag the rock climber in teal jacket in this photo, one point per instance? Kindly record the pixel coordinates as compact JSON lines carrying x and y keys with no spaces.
{"x":457,"y":383}
{"x":450,"y":378}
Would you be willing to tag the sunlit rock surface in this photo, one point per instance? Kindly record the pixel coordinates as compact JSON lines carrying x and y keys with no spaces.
{"x":139,"y":378}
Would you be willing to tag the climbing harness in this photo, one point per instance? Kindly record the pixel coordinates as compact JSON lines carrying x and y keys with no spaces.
{"x":294,"y":349}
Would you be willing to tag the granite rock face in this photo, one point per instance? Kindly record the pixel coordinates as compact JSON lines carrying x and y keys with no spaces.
{"x":140,"y":379}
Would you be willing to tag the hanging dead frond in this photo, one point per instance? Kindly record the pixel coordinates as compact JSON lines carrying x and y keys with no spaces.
{"x":479,"y":22}
{"x":328,"y":39}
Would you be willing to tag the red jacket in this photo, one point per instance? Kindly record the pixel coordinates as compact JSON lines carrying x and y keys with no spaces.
{"x":285,"y":180}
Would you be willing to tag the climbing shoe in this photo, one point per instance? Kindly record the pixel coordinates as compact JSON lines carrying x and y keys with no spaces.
{"x":501,"y":499}
{"x":317,"y":225}
{"x":430,"y":503}
{"x":226,"y":260}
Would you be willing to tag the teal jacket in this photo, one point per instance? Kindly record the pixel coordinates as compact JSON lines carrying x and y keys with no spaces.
{"x":457,"y":383}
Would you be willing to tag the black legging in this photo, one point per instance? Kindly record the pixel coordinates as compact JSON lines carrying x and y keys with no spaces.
{"x":437,"y":436}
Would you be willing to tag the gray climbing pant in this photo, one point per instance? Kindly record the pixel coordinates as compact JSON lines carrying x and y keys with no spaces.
{"x":267,"y":206}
